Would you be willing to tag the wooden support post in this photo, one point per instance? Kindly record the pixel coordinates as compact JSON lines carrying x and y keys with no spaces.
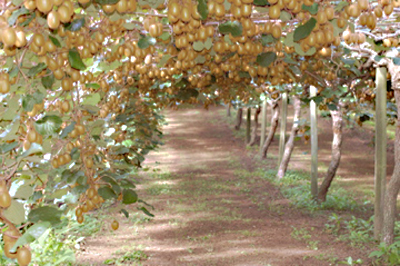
{"x":263,"y":124}
{"x":314,"y":143}
{"x":282,"y":136}
{"x":248,"y":124}
{"x":380,"y":150}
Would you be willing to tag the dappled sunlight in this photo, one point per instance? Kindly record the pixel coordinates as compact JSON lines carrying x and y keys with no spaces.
{"x":212,"y":207}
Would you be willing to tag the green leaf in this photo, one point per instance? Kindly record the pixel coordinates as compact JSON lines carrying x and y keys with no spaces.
{"x":107,"y":193}
{"x":260,"y":2}
{"x":348,"y":61}
{"x":208,"y":44}
{"x":267,"y":39}
{"x":285,"y":16}
{"x":125,"y":212}
{"x":151,"y":3}
{"x":304,"y":30}
{"x":146,"y":42}
{"x":203,"y":9}
{"x":93,"y":85}
{"x":48,"y":125}
{"x":232,"y":27}
{"x":130,"y":26}
{"x":14,"y":72}
{"x":105,"y":66}
{"x":6,"y":147}
{"x":313,"y":9}
{"x":119,"y":150}
{"x":24,"y":192}
{"x":76,"y":24}
{"x":143,"y":209}
{"x":17,"y":2}
{"x":341,"y":5}
{"x":36,"y":69}
{"x":106,"y":2}
{"x":129,"y":196}
{"x":67,"y":130}
{"x":55,"y":41}
{"x":396,"y":61}
{"x":164,"y":60}
{"x":33,"y":233}
{"x":30,"y":100}
{"x":113,"y":183}
{"x":125,"y":183}
{"x":16,"y":14}
{"x":200,"y":59}
{"x":71,"y":177}
{"x":300,"y":51}
{"x":244,"y":74}
{"x":92,"y":99}
{"x":336,"y":29}
{"x":78,"y":190}
{"x":45,"y":214}
{"x":265,"y":59}
{"x":198,"y":46}
{"x":15,"y":213}
{"x":28,"y":19}
{"x":34,"y":148}
{"x":48,"y":81}
{"x":165,"y":36}
{"x":13,"y":106}
{"x":75,"y":60}
{"x":289,"y":39}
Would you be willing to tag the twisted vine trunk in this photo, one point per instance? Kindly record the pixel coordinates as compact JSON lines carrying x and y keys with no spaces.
{"x":290,"y":143}
{"x":239,"y":118}
{"x":255,"y":127}
{"x":274,"y":126}
{"x":337,"y":126}
{"x":389,"y":210}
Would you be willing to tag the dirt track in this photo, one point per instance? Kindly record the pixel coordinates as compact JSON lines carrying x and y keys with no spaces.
{"x":212,"y":209}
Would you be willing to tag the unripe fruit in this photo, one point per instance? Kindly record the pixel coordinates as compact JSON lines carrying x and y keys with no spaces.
{"x":64,"y":13}
{"x":274,"y":12}
{"x":9,"y":37}
{"x":53,"y":20}
{"x":5,"y":200}
{"x":115,"y":225}
{"x":7,"y":247}
{"x":21,"y":39}
{"x":44,"y":6}
{"x":4,"y":86}
{"x":66,"y":84}
{"x":24,"y":256}
{"x":79,"y":219}
{"x":31,"y":135}
{"x":78,"y":212}
{"x":27,"y":144}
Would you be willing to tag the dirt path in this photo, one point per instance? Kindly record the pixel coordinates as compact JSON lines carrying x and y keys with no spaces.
{"x":212,"y":209}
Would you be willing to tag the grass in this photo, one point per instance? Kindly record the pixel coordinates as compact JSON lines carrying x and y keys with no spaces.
{"x":133,"y":256}
{"x":390,"y":129}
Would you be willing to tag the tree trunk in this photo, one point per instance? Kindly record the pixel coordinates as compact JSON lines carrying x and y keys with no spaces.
{"x":228,"y":110}
{"x":290,"y":143}
{"x":337,"y":125}
{"x":263,"y":125}
{"x":239,"y":118}
{"x":274,"y":126}
{"x":248,"y":124}
{"x":389,"y":211}
{"x":380,"y":149}
{"x":255,"y":127}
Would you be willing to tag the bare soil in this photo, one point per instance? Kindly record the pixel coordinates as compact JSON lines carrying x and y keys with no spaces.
{"x":211,"y":209}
